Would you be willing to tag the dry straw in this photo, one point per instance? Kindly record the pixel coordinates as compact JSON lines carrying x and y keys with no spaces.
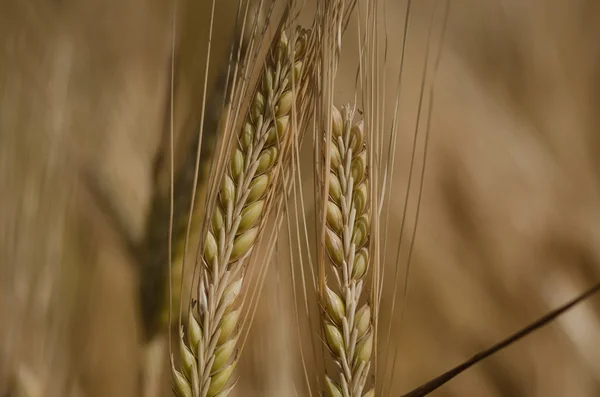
{"x":347,"y":323}
{"x":208,"y":348}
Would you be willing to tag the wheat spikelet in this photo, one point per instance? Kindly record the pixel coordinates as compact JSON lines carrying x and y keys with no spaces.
{"x":207,"y":350}
{"x":347,"y":327}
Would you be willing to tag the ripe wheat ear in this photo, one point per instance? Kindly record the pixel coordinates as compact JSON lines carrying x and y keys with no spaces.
{"x":208,"y":347}
{"x":347,"y":325}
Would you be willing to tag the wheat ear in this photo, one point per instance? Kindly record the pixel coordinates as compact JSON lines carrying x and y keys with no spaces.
{"x":207,"y":349}
{"x":348,"y":330}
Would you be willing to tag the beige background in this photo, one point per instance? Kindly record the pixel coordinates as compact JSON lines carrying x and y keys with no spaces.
{"x":508,"y":223}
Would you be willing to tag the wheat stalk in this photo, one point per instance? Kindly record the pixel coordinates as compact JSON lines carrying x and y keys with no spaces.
{"x":207,"y":349}
{"x":347,"y":328}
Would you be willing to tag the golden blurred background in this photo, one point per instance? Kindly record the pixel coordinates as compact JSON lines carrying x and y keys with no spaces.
{"x":508,"y":220}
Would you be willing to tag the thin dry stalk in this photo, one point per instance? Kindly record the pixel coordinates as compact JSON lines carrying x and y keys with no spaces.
{"x":347,"y":325}
{"x":247,"y":187}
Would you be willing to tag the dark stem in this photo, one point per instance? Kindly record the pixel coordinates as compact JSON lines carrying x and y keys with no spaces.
{"x":437,"y":382}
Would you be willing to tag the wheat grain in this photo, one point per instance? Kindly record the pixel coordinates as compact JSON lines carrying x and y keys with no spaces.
{"x":348,"y":330}
{"x":207,"y":349}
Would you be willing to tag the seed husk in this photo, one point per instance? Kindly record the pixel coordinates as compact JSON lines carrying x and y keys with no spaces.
{"x":243,"y":243}
{"x":334,"y":217}
{"x":218,"y":381}
{"x":181,"y":385}
{"x":335,"y":341}
{"x":258,"y":187}
{"x":228,"y":324}
{"x":335,"y":306}
{"x":363,"y":320}
{"x":251,"y":215}
{"x":332,"y":389}
{"x":223,"y":354}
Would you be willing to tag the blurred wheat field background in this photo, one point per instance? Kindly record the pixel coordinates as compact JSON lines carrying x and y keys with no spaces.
{"x":507,"y":206}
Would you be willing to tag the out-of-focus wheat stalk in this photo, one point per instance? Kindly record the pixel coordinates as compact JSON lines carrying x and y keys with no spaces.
{"x":154,"y":288}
